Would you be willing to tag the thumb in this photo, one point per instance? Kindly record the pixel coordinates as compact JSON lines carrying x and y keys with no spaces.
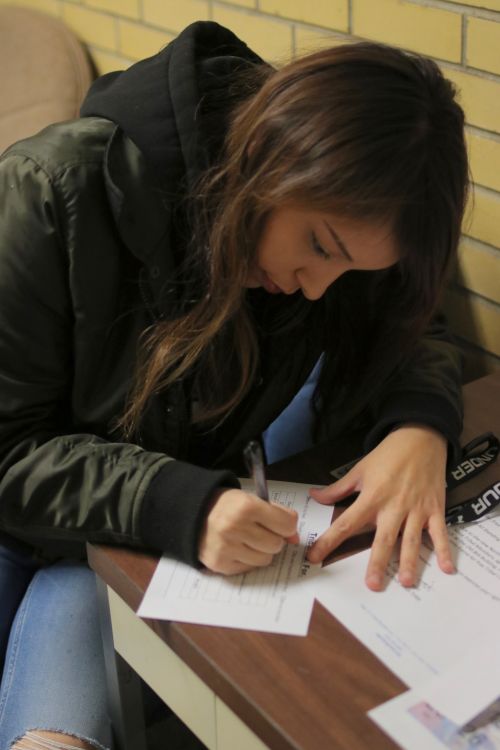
{"x":337,"y":491}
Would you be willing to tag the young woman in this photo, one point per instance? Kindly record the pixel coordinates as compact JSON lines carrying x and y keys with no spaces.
{"x":172,"y":267}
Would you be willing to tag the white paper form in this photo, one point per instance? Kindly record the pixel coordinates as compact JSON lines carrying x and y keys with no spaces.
{"x":421,"y":631}
{"x":414,"y":723}
{"x":466,"y":689}
{"x":276,"y":599}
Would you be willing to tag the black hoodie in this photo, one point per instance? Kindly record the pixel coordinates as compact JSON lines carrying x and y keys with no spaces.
{"x":176,"y":101}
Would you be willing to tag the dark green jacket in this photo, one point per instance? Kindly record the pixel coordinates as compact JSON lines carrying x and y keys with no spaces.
{"x":88,"y":247}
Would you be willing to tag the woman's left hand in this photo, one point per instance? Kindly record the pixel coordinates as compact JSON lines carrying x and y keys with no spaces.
{"x":402,"y":488}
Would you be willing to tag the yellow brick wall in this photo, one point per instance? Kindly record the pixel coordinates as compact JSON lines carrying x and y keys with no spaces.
{"x":464,"y":37}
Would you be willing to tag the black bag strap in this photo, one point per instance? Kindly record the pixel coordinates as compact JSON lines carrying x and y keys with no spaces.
{"x":476,"y":457}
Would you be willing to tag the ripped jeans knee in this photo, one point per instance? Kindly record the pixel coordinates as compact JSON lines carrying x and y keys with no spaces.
{"x":38,"y":740}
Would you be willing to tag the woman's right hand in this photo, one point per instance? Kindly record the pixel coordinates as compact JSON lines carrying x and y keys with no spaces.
{"x":242,"y":532}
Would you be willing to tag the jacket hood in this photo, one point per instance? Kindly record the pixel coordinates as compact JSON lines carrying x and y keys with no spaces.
{"x":160,"y":103}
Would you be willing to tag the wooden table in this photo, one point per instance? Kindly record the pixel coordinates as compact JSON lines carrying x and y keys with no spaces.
{"x":243,"y":690}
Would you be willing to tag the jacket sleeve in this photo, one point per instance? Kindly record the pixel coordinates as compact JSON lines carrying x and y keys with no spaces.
{"x":426,"y":390}
{"x":59,"y":487}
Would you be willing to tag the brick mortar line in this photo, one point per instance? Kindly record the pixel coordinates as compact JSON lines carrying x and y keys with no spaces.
{"x":140,"y":23}
{"x":464,"y":39}
{"x":148,"y":26}
{"x":255,"y":13}
{"x":473,"y":69}
{"x":117,"y":33}
{"x":118,"y":17}
{"x":77,"y":30}
{"x":487,"y":247}
{"x":465,"y":291}
{"x":112,"y":53}
{"x":495,"y":194}
{"x":31,"y":7}
{"x":489,"y":135}
{"x":484,"y":187}
{"x":97,"y":11}
{"x":485,"y":75}
{"x":452,"y":7}
{"x":441,"y":61}
{"x":84,"y":4}
{"x":322,"y":31}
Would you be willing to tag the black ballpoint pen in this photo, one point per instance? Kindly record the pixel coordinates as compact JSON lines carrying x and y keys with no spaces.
{"x":255,"y":465}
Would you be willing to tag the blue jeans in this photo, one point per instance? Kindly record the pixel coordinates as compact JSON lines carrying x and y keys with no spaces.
{"x":50,"y":646}
{"x":291,"y":432}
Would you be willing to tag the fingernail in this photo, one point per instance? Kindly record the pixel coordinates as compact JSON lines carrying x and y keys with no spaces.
{"x":448,"y":567}
{"x":374,"y":580}
{"x":406,"y":578}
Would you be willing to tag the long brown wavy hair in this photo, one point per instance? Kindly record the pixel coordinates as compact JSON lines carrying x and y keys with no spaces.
{"x":363,"y":129}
